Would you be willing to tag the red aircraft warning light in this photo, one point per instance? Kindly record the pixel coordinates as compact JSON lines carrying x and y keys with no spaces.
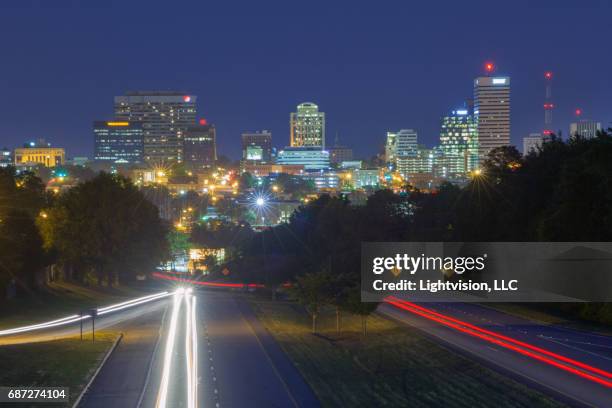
{"x":187,"y":98}
{"x":489,"y":67}
{"x":548,"y":75}
{"x":578,"y":111}
{"x":203,"y":122}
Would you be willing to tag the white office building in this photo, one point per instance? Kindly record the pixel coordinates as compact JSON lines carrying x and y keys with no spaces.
{"x":492,"y":113}
{"x":585,"y":128}
{"x":532,"y":143}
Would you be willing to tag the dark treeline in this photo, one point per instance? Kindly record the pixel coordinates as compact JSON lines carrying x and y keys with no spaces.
{"x":563,"y":192}
{"x":102,"y":231}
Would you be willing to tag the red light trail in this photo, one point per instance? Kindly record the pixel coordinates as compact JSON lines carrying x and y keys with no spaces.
{"x":504,"y":341}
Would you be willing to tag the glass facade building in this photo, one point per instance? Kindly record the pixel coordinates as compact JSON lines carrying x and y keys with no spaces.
{"x":118,"y":142}
{"x":312,"y":158}
{"x":459,"y":143}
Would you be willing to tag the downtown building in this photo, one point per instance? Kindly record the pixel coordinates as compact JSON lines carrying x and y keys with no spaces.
{"x":458,"y":143}
{"x":118,"y":142}
{"x":6,"y":157}
{"x":492,"y":113}
{"x":307,"y":126}
{"x":39,"y":153}
{"x":401,"y":144}
{"x":200,"y":146}
{"x":532,"y":143}
{"x":588,"y":129}
{"x":165,"y":117}
{"x":256,"y":147}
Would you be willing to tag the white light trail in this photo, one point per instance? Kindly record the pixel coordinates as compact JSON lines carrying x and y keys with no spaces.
{"x":194,"y":336}
{"x":191,"y":352}
{"x":135,"y":302}
{"x":52,"y":323}
{"x":76,"y":318}
{"x":162,"y":396}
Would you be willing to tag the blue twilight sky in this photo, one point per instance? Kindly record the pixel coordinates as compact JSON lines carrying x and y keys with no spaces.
{"x":371,"y":66}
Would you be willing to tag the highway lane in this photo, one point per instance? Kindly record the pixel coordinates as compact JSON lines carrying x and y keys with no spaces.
{"x":121,"y":380}
{"x":569,"y":386}
{"x":237,"y":365}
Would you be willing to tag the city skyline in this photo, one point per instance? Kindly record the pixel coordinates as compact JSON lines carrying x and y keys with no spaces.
{"x":408,"y":86}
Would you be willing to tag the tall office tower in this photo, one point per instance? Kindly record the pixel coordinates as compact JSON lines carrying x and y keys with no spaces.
{"x":118,"y":142}
{"x":585,"y":128}
{"x":307,"y":126}
{"x":200,"y":146}
{"x":532,"y":143}
{"x":492,"y":112}
{"x":459,"y":142}
{"x":164,"y":115}
{"x":257,"y":147}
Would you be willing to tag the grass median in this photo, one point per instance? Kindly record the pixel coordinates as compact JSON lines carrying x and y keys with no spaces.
{"x":68,"y":362}
{"x":393,"y":365}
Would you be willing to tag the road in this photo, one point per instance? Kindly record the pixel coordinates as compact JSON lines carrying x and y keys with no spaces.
{"x":122,"y":317}
{"x":238,"y":363}
{"x":523,"y":363}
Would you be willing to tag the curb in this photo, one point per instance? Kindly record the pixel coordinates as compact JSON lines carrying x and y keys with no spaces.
{"x":95,"y":374}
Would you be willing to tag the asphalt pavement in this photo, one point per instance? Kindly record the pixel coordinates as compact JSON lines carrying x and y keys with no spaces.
{"x":239,"y":364}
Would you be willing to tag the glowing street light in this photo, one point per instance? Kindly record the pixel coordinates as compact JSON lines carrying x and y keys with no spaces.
{"x":260,"y":201}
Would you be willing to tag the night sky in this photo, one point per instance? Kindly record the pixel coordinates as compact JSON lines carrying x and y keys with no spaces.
{"x":371,"y":67}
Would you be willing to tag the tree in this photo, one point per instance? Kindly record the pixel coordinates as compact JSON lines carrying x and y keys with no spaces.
{"x":354,"y":305}
{"x":107,"y":226}
{"x":22,"y":256}
{"x":311,"y":290}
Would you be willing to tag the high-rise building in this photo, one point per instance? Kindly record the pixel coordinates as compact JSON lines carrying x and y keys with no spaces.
{"x":118,"y":142}
{"x":492,"y":112}
{"x":257,"y":147}
{"x":307,"y":126}
{"x":585,"y":128}
{"x":459,"y":142}
{"x":200,"y":146}
{"x":532,"y":143}
{"x":40,"y":152}
{"x":390,"y":147}
{"x":165,"y":116}
{"x":406,"y":143}
{"x":6,"y":158}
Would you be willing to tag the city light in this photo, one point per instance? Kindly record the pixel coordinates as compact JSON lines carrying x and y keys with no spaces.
{"x":260,"y":202}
